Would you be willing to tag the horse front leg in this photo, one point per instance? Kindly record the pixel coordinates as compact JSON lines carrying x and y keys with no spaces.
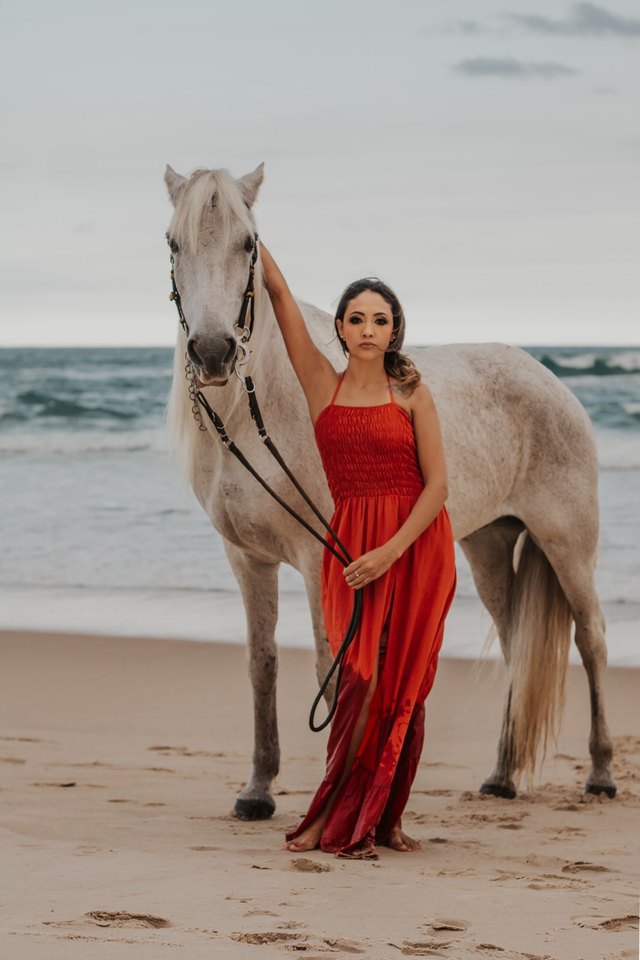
{"x":489,"y":551}
{"x":258,"y":583}
{"x":312,"y":581}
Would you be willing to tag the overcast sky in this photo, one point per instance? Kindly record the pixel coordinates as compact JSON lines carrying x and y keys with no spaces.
{"x":481,"y":157}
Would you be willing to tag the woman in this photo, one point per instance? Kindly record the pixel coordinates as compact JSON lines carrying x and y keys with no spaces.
{"x":382,"y":453}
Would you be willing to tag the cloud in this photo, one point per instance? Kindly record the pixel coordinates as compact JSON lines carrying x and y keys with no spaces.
{"x":467,"y":27}
{"x":585,"y":20}
{"x":510,"y":67}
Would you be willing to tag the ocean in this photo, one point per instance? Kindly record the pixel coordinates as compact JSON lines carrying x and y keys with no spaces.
{"x":101,"y":535}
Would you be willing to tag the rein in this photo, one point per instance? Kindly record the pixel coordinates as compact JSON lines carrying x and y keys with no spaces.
{"x":199,"y":402}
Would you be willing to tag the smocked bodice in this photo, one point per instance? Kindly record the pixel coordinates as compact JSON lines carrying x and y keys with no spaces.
{"x":368,"y":451}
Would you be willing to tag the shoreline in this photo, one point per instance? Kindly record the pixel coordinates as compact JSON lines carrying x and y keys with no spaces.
{"x":218,"y":617}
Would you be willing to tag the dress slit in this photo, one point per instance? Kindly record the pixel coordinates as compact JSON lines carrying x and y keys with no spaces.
{"x":387,"y":619}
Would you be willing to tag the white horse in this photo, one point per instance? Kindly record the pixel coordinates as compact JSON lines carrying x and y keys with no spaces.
{"x":522,"y":472}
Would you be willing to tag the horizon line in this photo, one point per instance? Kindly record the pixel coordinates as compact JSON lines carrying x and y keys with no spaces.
{"x":448,"y":343}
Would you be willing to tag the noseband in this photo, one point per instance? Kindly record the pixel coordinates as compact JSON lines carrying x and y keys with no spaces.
{"x":243,"y":334}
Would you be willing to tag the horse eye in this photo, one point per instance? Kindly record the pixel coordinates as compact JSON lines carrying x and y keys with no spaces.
{"x":248,"y":244}
{"x":173,"y":246}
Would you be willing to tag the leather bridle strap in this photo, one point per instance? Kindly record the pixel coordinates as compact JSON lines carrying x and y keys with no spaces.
{"x":243,"y":334}
{"x":248,"y":299}
{"x":356,"y":613}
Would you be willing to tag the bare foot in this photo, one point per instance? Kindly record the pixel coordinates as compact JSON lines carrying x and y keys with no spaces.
{"x":309,"y":840}
{"x":399,"y":840}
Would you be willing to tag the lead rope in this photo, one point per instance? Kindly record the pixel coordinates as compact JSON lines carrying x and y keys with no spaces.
{"x":199,"y":400}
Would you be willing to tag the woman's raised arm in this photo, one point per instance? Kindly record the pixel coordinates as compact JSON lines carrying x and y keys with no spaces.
{"x":314,"y":371}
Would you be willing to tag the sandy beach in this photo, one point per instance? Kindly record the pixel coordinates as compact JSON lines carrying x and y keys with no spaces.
{"x":121,"y":759}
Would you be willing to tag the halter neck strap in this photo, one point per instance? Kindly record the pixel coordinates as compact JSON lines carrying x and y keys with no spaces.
{"x":335,"y":392}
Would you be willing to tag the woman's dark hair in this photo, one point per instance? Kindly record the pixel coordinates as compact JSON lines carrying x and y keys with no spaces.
{"x":396,"y":364}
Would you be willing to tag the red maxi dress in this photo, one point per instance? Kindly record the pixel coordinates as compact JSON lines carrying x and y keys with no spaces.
{"x":370,"y":460}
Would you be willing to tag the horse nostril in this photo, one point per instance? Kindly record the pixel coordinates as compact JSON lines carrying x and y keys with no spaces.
{"x":194,"y":356}
{"x":231,"y":350}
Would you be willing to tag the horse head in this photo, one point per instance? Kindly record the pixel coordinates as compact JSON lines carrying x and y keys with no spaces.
{"x":212,"y":239}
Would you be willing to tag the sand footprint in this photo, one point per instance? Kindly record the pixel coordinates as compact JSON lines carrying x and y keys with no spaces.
{"x":435,"y":792}
{"x":630,"y":922}
{"x":342,"y":945}
{"x":582,"y":866}
{"x":424,"y":948}
{"x":440,"y":929}
{"x":28,"y":740}
{"x":181,"y":751}
{"x":116,"y":918}
{"x":613,"y":924}
{"x":68,"y":783}
{"x":448,"y":923}
{"x":310,"y":866}
{"x":122,"y":918}
{"x":269,"y":936}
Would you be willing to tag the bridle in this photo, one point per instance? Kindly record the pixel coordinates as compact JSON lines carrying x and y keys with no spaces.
{"x":199,"y":402}
{"x":240,"y":328}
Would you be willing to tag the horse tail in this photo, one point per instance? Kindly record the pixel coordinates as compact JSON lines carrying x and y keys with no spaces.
{"x":540,"y":637}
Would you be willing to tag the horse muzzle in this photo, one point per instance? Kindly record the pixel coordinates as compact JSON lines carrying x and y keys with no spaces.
{"x":212,"y":359}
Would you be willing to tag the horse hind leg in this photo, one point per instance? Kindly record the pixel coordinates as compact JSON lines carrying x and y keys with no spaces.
{"x":258,"y":583}
{"x":490,"y":552}
{"x":575,"y":574}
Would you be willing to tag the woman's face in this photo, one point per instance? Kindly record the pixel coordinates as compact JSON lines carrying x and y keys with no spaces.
{"x":367,"y":327}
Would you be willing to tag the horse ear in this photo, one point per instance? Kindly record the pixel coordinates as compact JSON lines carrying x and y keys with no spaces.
{"x":175,"y":183}
{"x":250,"y":184}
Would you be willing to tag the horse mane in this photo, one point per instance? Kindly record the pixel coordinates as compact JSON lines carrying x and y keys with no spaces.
{"x":203,"y":190}
{"x":182,"y":428}
{"x":195,"y":201}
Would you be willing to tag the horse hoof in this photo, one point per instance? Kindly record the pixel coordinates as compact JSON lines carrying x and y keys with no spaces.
{"x":494,"y":788}
{"x":256,"y":809}
{"x":603,"y":784}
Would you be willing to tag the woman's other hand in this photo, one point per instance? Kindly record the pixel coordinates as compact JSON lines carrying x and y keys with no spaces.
{"x":369,"y":566}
